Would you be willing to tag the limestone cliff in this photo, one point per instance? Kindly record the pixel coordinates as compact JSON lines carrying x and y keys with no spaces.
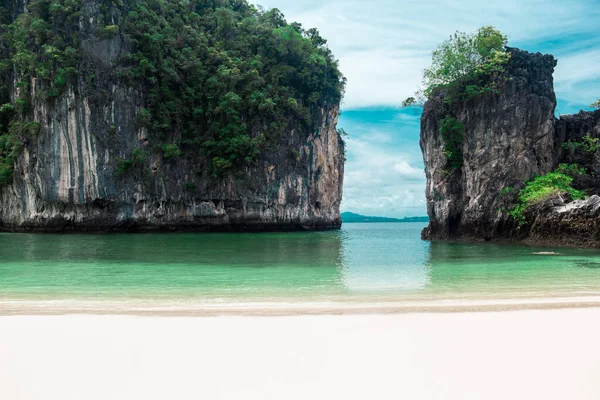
{"x":509,"y":138}
{"x":66,"y":178}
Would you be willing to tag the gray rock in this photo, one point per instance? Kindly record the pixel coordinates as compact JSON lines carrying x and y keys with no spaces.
{"x":510,"y":138}
{"x":65,"y":177}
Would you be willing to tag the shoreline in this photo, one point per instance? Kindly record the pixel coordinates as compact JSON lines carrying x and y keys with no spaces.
{"x":525,"y":241}
{"x":140,"y":229}
{"x":180,"y":308}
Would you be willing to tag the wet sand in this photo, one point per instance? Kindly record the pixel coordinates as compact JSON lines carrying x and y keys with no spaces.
{"x":530,"y":354}
{"x":293,"y":307}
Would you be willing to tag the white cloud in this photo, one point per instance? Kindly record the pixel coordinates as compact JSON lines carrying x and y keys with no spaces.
{"x":380,"y":180}
{"x":404,"y":170}
{"x":575,"y":70}
{"x":383,"y":45}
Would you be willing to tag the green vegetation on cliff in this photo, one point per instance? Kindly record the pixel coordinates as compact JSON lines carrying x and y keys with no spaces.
{"x":222,"y":80}
{"x":453,"y":132}
{"x":228,"y":77}
{"x":467,"y":65}
{"x":40,"y":44}
{"x":587,"y":145}
{"x":543,"y":187}
{"x":463,"y":67}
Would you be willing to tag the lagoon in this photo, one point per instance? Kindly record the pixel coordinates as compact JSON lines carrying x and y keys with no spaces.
{"x":362,"y":262}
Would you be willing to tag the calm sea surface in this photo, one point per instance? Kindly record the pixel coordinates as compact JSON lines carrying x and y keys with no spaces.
{"x":362,"y":261}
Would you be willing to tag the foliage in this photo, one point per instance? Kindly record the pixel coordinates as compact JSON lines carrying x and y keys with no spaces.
{"x":122,"y":166}
{"x":409,"y":102}
{"x":587,"y":145}
{"x":464,"y":54}
{"x":228,"y":77}
{"x":452,"y":131}
{"x":221,"y":78}
{"x":541,"y":187}
{"x":518,"y":214}
{"x":170,"y":151}
{"x":467,"y":65}
{"x":137,"y":158}
{"x":24,"y":130}
{"x":38,"y":44}
{"x":294,"y":154}
{"x":42,"y":43}
{"x":109,"y":31}
{"x":595,"y":105}
{"x":143,"y":118}
{"x":9,"y":146}
{"x":572,"y":170}
{"x":544,"y":187}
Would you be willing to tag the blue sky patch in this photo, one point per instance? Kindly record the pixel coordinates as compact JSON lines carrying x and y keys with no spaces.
{"x":383,"y":46}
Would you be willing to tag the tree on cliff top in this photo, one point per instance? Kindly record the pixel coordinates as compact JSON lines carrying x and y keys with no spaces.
{"x":459,"y":63}
{"x":595,"y":105}
{"x":222,"y":80}
{"x":463,"y":55}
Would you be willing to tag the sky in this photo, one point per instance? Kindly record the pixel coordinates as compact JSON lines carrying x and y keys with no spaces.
{"x":383,"y":47}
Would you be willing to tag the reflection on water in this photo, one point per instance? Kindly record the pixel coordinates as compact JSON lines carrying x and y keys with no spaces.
{"x":386,"y":260}
{"x":384,"y":257}
{"x":513,"y":269}
{"x":213,"y":265}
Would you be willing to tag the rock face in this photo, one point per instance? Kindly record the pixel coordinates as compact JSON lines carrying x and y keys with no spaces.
{"x":65,"y":176}
{"x":65,"y":181}
{"x":575,"y":223}
{"x":509,"y":138}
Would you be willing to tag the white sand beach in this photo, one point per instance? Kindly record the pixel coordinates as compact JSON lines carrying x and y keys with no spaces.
{"x":532,"y":354}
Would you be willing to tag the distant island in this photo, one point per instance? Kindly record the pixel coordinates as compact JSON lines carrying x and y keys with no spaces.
{"x":349,"y":217}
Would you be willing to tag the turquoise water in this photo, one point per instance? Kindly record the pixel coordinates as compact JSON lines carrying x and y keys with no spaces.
{"x":375,"y":261}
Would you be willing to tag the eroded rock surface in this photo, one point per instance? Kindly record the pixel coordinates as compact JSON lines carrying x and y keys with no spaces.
{"x":509,"y":138}
{"x":65,"y":176}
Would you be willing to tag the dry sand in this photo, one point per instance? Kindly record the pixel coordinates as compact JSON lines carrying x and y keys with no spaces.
{"x":534,"y":354}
